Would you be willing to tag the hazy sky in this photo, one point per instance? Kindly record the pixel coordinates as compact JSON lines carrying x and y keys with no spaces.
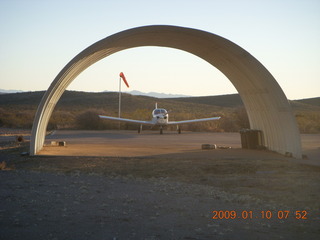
{"x":38,"y":38}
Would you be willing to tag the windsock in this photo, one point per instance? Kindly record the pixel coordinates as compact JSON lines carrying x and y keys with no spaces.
{"x":124,"y":79}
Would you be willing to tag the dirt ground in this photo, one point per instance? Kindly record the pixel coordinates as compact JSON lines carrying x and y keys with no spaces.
{"x":188,"y":193}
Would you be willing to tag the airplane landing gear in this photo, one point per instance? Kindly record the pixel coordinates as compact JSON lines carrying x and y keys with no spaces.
{"x":140,"y":129}
{"x":178,"y":129}
{"x":161,"y":130}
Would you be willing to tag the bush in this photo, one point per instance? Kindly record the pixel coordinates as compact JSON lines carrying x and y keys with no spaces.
{"x":90,"y":120}
{"x":308,"y":122}
{"x":241,"y":118}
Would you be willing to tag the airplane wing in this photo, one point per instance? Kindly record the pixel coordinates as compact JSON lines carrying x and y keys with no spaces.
{"x":192,"y":121}
{"x":127,"y":120}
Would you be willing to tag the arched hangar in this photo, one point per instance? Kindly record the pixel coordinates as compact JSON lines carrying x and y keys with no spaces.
{"x":267,"y":106}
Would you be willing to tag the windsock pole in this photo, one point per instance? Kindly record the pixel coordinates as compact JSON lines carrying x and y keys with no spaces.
{"x":125,"y":81}
{"x":119,"y":111}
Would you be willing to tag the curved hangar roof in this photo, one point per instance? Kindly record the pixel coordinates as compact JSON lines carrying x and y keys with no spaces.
{"x":266,"y":104}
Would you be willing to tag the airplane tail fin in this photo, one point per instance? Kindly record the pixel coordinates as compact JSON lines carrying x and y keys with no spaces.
{"x":156,"y":106}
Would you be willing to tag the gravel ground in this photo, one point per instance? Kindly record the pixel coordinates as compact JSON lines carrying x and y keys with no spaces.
{"x":41,"y":205}
{"x":171,"y":196}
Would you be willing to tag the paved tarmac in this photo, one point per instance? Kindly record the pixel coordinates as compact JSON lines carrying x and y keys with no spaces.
{"x":149,"y":143}
{"x":130,"y":143}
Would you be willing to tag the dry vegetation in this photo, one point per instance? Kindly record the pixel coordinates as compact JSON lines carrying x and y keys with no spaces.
{"x":79,"y":110}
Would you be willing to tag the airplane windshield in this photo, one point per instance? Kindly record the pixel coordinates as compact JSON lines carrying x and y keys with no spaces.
{"x":159,"y":111}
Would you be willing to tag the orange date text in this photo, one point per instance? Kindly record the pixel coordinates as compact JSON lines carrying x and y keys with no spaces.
{"x":248,"y":214}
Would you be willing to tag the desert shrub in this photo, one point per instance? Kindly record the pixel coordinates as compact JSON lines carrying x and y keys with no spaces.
{"x":14,"y":119}
{"x":90,"y":120}
{"x":241,"y":118}
{"x":140,"y":114}
{"x":63,"y":119}
{"x":308,"y":122}
{"x":227,"y":124}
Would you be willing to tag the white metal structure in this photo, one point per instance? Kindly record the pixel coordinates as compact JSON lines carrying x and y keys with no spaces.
{"x":267,"y":106}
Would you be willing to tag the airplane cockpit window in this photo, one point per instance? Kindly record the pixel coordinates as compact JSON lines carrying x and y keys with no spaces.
{"x":159,"y":111}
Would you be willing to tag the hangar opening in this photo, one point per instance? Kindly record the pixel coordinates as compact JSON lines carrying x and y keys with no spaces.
{"x":267,"y":106}
{"x":154,"y":70}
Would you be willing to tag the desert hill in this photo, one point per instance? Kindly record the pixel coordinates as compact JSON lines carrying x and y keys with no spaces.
{"x":18,"y":109}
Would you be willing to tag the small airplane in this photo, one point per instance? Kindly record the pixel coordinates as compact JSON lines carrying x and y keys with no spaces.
{"x":160,"y":117}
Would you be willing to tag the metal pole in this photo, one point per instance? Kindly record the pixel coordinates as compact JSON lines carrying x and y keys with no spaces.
{"x":119,"y":112}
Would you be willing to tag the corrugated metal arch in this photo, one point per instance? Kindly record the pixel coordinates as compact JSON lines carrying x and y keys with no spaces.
{"x":266,"y":104}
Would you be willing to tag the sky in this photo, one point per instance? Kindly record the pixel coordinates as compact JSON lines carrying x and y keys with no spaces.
{"x":39,"y":37}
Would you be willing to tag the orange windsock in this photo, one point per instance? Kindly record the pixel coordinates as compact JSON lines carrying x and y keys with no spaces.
{"x":124,"y":79}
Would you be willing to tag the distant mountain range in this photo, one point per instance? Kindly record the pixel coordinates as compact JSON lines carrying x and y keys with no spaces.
{"x":157,"y":95}
{"x":3,"y":91}
{"x":134,"y":92}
